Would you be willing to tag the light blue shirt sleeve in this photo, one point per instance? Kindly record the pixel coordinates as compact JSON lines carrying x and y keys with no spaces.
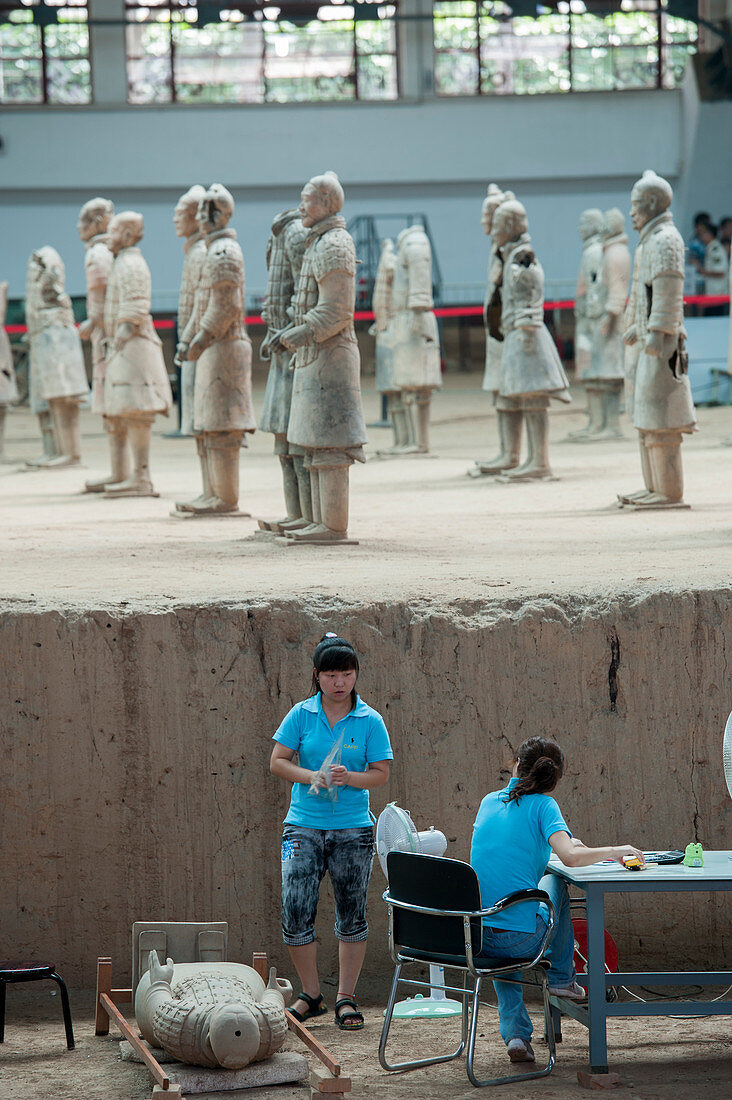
{"x":378,"y":745}
{"x":550,"y":819}
{"x":290,"y":729}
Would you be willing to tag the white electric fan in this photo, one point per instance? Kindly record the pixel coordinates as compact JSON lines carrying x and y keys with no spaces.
{"x":727,"y":754}
{"x":396,"y":832}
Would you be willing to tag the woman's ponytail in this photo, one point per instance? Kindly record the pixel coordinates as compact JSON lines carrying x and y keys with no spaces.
{"x":540,"y":767}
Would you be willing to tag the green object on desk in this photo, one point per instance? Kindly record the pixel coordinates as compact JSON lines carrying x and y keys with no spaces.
{"x":694,"y":856}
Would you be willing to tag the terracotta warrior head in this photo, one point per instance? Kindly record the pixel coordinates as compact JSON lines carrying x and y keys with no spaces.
{"x":94,"y":218}
{"x":614,"y":222}
{"x":509,"y":222}
{"x":590,"y":223}
{"x":491,"y":202}
{"x":650,"y":197}
{"x":125,"y":230}
{"x":215,"y":209}
{"x":186,"y":209}
{"x":46,"y":268}
{"x":321,"y":197}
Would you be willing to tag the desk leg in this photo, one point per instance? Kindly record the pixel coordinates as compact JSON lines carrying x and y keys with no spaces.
{"x":596,"y":978}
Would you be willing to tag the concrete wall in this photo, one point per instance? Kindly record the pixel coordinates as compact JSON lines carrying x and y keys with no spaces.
{"x":560,"y":153}
{"x":135,"y":743}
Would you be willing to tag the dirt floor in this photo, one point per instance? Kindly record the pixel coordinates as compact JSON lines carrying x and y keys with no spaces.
{"x":656,"y":1058}
{"x":425,"y":530}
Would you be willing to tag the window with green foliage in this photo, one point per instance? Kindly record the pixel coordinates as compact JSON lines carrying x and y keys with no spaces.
{"x":488,"y":48}
{"x":175,"y":55}
{"x":44,"y":53}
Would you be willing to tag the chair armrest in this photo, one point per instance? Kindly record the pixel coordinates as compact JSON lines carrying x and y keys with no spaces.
{"x":432,"y":912}
{"x":515,"y":898}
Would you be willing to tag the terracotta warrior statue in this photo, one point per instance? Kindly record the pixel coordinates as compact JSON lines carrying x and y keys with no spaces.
{"x":588,"y":311}
{"x":8,"y":385}
{"x":531,"y":370}
{"x":194,"y":254}
{"x":416,"y":340}
{"x":383,"y":331}
{"x":93,"y":223}
{"x":505,"y":459}
{"x":326,"y":417}
{"x":32,"y":324}
{"x":662,"y":405}
{"x":216,"y":340}
{"x":212,"y":1014}
{"x":136,"y":384}
{"x":285,"y":251}
{"x":605,"y":375}
{"x":58,"y":374}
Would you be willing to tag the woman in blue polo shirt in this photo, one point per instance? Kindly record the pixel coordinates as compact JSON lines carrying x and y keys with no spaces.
{"x":328,"y":826}
{"x":514,"y":834}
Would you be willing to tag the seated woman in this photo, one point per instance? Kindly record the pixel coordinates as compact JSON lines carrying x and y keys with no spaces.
{"x":514,"y":834}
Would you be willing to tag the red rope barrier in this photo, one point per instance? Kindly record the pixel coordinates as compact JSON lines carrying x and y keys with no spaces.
{"x":164,"y":324}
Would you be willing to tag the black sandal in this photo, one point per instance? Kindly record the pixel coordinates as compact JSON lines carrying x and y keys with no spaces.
{"x":315,"y":1007}
{"x":342,"y":1018}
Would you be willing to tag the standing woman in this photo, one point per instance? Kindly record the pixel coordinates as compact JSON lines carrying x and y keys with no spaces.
{"x":514,"y":834}
{"x":328,"y":826}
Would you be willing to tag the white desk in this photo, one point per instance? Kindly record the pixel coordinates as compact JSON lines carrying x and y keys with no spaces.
{"x":600,"y":879}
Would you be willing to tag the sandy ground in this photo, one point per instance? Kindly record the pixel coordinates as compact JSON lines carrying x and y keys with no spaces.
{"x":656,"y":1058}
{"x":425,"y":530}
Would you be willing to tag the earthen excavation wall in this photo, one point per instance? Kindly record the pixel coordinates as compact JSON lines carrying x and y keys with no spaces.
{"x":135,"y":746}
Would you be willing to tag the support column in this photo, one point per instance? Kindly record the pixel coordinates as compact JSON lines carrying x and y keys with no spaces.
{"x":107,"y":50}
{"x":416,"y":53}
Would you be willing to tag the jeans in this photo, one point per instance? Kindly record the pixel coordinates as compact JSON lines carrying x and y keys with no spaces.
{"x":347,"y":855}
{"x":514,"y":1020}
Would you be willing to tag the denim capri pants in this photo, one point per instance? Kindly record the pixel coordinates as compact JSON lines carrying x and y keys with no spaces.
{"x":347,"y":855}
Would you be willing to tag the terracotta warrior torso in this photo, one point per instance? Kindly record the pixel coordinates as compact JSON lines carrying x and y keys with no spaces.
{"x":98,"y":262}
{"x":326,"y":407}
{"x":416,"y":338}
{"x":136,"y":379}
{"x":285,"y":251}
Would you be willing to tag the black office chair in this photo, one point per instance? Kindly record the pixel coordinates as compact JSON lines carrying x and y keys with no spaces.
{"x":435,"y":916}
{"x":13,"y":972}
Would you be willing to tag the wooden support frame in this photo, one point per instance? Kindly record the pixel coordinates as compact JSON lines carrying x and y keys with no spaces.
{"x":331,"y":1085}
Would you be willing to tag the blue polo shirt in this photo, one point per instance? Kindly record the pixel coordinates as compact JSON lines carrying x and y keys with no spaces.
{"x":306,"y":730}
{"x":510,"y":851}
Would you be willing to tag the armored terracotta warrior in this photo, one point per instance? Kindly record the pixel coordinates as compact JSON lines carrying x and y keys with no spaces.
{"x":383,"y":330}
{"x":216,"y":340}
{"x":212,"y":1014}
{"x":8,"y":385}
{"x":663,"y":409}
{"x":285,"y":251}
{"x":194,"y":254}
{"x":604,"y":378}
{"x":58,"y":375}
{"x":326,"y":417}
{"x":588,"y":311}
{"x":136,"y":385}
{"x":93,"y":223}
{"x":33,"y":323}
{"x":505,"y":459}
{"x":416,"y":340}
{"x":531,"y":370}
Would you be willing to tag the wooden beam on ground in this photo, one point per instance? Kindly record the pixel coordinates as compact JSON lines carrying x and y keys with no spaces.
{"x":326,"y":1086}
{"x":312,"y":1044}
{"x":131,"y":1036}
{"x":104,"y":985}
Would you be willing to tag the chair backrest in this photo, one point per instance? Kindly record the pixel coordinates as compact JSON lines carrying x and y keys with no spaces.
{"x":436,"y":883}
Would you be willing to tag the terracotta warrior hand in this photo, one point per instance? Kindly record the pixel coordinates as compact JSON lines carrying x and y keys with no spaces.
{"x":198,"y":345}
{"x":124,"y":332}
{"x":86,"y":328}
{"x":296,"y":337}
{"x":630,"y":336}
